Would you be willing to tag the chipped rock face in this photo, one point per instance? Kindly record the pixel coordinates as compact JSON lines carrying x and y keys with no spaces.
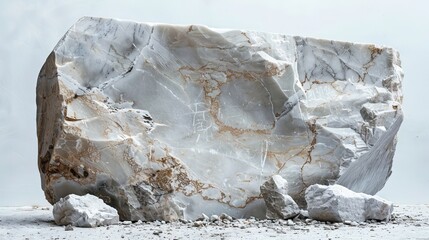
{"x":336,"y":203}
{"x":168,"y":122}
{"x":279,"y":204}
{"x":84,"y":211}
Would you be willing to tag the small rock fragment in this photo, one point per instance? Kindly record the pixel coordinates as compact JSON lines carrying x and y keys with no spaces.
{"x":198,"y":224}
{"x":214,"y":218}
{"x":336,"y":203}
{"x":184,"y":221}
{"x":69,"y":228}
{"x":279,"y":203}
{"x":203,"y":218}
{"x":225,"y":216}
{"x":84,"y":211}
{"x":303,"y":214}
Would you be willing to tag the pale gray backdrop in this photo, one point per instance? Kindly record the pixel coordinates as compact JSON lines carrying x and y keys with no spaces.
{"x":30,"y":29}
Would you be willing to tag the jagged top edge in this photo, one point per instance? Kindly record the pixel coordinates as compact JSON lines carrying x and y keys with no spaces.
{"x":225,"y":30}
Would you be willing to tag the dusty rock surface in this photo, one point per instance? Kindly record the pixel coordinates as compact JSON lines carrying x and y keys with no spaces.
{"x":165,"y":122}
{"x":408,"y":222}
{"x":338,"y":204}
{"x":84,"y":211}
{"x":279,"y":204}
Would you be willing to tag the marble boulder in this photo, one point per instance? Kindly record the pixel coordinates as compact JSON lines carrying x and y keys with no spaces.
{"x":336,"y":203}
{"x":167,"y":122}
{"x":84,"y":211}
{"x":279,"y":204}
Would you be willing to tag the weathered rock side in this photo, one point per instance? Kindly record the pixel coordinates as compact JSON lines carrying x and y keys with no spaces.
{"x":84,"y":211}
{"x":338,"y":204}
{"x":279,"y":204}
{"x":167,"y":122}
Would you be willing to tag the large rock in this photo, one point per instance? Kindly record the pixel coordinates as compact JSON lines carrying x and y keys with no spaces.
{"x":338,"y":204}
{"x":168,"y":122}
{"x":84,"y":211}
{"x":279,"y":204}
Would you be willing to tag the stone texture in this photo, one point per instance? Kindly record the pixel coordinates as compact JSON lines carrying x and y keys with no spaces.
{"x":168,"y":122}
{"x":84,"y":211}
{"x":336,"y":203}
{"x":279,"y":204}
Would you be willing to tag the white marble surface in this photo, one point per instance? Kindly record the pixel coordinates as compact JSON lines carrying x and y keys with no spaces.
{"x":84,"y":211}
{"x":279,"y":205}
{"x":165,"y":121}
{"x":336,"y":203}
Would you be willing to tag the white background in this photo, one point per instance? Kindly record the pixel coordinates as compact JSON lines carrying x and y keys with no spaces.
{"x":30,"y":29}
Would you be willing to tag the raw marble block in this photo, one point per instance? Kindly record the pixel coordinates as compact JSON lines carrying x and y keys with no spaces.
{"x":336,"y":203}
{"x":167,"y":122}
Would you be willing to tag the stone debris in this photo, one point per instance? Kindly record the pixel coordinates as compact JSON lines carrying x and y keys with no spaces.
{"x":214,"y":218}
{"x":203,"y":218}
{"x":226,"y":217}
{"x":68,"y":228}
{"x":209,"y":230}
{"x":277,"y":225}
{"x":84,"y":211}
{"x":199,"y":223}
{"x":279,"y":204}
{"x":336,"y":203}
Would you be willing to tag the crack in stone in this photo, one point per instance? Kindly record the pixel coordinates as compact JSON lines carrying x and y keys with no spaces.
{"x":313,"y":128}
{"x":222,"y":171}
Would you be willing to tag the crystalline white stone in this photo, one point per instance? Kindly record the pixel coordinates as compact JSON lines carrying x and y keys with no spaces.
{"x":336,"y":203}
{"x":279,"y":204}
{"x":84,"y":211}
{"x":168,"y":122}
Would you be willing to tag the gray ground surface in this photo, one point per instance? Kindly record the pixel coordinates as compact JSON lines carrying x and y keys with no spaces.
{"x":408,"y":222}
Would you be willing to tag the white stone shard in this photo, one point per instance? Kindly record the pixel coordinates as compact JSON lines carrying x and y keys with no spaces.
{"x":168,"y":122}
{"x":84,"y":211}
{"x":279,"y":204}
{"x":336,"y":203}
